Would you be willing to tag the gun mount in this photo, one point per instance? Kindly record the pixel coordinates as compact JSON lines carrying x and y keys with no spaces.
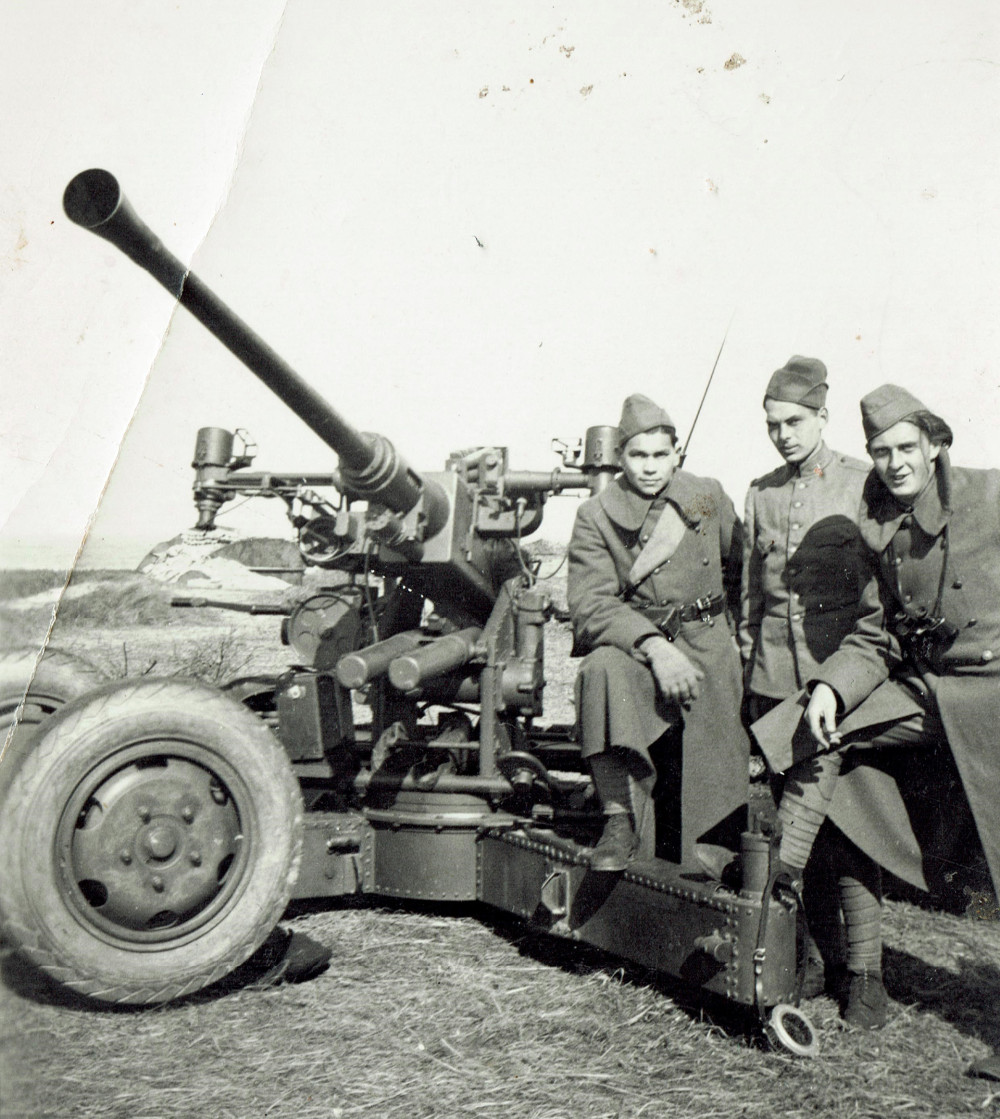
{"x":452,"y":789}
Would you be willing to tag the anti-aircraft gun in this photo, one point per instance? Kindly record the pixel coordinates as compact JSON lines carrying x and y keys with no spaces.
{"x":154,"y":831}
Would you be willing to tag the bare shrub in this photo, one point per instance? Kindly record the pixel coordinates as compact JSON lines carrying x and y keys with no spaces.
{"x":216,"y":659}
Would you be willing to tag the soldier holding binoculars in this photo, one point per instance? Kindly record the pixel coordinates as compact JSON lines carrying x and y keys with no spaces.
{"x":921,"y":666}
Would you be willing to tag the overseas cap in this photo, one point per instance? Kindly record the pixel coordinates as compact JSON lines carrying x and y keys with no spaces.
{"x":639,"y":414}
{"x":885,"y":406}
{"x":801,"y":380}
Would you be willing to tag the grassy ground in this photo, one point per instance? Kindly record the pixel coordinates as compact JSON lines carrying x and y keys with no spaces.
{"x":460,"y":1012}
{"x":453,"y":1013}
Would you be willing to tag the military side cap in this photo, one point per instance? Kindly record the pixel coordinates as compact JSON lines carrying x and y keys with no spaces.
{"x":639,"y":414}
{"x":801,"y":380}
{"x":885,"y":406}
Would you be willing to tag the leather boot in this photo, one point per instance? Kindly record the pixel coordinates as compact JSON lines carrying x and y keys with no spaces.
{"x":616,"y":846}
{"x":867,"y":1004}
{"x":719,"y":863}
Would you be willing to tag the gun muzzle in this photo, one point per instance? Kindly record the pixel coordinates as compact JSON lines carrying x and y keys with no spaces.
{"x":369,"y":465}
{"x":356,"y":669}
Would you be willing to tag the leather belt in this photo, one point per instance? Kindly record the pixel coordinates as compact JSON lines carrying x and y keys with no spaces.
{"x":668,"y":619}
{"x":708,"y":607}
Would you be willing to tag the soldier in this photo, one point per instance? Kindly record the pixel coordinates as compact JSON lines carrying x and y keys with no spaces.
{"x":804,"y":563}
{"x":654,"y":566}
{"x":930,"y":674}
{"x":804,"y":569}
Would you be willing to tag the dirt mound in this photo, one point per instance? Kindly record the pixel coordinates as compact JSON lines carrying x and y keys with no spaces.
{"x":219,"y":559}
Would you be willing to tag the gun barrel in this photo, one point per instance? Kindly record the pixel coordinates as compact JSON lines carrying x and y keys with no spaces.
{"x":517,"y":483}
{"x":369,"y":464}
{"x":198,"y":603}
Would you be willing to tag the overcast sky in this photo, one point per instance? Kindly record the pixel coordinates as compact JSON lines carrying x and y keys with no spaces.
{"x":483,"y":225}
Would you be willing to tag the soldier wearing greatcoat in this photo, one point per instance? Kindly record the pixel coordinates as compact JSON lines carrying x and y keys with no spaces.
{"x":805,"y":567}
{"x":921,"y":666}
{"x":654,"y":575}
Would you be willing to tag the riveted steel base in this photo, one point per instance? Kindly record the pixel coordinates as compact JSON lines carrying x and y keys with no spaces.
{"x":425,"y":846}
{"x":447,"y":847}
{"x":652,"y":914}
{"x":331,"y":859}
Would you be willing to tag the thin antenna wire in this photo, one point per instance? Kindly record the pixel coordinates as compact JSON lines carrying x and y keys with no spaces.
{"x":708,"y":385}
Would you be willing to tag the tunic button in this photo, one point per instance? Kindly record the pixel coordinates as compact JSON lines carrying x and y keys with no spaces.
{"x":988,"y":655}
{"x":644,"y":537}
{"x":797,"y":504}
{"x":796,"y":617}
{"x":957,"y":584}
{"x":705,"y":561}
{"x":908,"y":598}
{"x":897,"y":561}
{"x":802,"y":485}
{"x":796,"y":525}
{"x":972,"y":621}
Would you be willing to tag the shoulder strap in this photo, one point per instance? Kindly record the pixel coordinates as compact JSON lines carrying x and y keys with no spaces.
{"x":661,"y":545}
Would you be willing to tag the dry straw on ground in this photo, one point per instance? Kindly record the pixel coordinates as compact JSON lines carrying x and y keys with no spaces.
{"x":443,"y":1013}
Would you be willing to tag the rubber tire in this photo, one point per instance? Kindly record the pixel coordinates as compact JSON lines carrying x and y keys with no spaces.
{"x":42,"y":922}
{"x":42,"y":686}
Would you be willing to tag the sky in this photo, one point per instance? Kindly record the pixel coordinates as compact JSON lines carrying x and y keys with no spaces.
{"x":472,"y":225}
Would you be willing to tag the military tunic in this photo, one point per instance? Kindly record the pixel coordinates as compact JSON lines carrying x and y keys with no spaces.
{"x":618,"y":702}
{"x":805,"y":567}
{"x":946,"y":555}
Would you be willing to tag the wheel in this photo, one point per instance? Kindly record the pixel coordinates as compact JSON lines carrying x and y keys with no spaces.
{"x":40,"y":685}
{"x":151,"y":838}
{"x":256,"y":693}
{"x":31,"y":689}
{"x":788,"y":1028}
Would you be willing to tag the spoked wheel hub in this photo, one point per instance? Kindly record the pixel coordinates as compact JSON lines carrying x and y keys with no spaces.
{"x":151,"y":843}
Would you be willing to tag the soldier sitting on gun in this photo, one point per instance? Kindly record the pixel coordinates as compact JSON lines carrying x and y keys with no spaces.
{"x":654,"y":577}
{"x":931,"y":619}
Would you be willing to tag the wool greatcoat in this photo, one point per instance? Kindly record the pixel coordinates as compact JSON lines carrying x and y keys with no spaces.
{"x":943,"y":555}
{"x":618,"y":702}
{"x":805,"y":567}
